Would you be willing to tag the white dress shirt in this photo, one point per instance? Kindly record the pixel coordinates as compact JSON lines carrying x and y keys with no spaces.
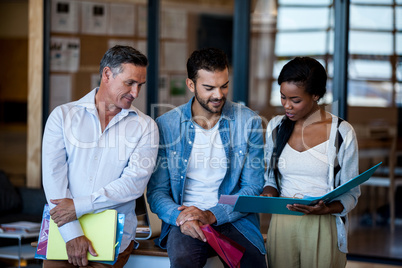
{"x":98,"y":170}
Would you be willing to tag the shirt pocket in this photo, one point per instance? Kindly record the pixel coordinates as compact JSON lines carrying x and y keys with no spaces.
{"x":174,"y":163}
{"x":238,"y":155}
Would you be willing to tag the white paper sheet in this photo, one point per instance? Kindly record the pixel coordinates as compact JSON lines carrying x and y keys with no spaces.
{"x":142,"y":20}
{"x":95,"y":80}
{"x":121,"y":19}
{"x":64,"y":54}
{"x":142,"y":47}
{"x":64,"y":16}
{"x":175,"y":56}
{"x":60,"y":89}
{"x":94,"y":18}
{"x":174,"y":24}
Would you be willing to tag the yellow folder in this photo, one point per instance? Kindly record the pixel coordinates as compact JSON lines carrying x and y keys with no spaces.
{"x":99,"y":228}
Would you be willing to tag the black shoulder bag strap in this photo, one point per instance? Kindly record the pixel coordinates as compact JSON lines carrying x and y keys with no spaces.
{"x":274,"y":134}
{"x":338,"y":143}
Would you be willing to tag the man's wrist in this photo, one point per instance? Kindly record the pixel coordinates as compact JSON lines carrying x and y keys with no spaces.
{"x":211,"y":217}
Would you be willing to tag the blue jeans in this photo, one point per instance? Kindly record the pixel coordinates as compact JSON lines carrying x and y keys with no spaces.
{"x":185,"y":251}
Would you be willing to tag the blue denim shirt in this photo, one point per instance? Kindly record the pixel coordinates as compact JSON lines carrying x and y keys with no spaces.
{"x":242,"y":136}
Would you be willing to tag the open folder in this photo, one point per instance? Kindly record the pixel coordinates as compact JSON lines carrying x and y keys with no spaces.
{"x":277,"y":205}
{"x":99,"y":228}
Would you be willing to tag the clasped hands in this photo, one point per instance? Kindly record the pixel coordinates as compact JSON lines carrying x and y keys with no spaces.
{"x":191,"y":218}
{"x":77,"y":248}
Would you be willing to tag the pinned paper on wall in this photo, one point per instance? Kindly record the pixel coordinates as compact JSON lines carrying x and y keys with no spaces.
{"x":174,"y":24}
{"x":95,"y":80}
{"x":121,"y":19}
{"x":142,"y":21}
{"x":174,"y":56}
{"x":142,"y":47}
{"x":64,"y":16}
{"x":60,"y":93}
{"x":64,"y":54}
{"x":94,"y":18}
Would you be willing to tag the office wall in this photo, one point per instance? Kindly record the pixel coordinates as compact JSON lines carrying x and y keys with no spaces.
{"x":14,"y":53}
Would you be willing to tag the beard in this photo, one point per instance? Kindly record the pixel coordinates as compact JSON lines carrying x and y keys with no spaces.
{"x":204,"y":103}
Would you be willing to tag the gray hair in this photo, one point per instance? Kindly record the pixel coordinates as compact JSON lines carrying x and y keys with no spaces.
{"x":117,"y":55}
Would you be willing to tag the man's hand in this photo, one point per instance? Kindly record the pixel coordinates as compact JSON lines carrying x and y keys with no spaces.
{"x":77,"y":249}
{"x":194,"y":214}
{"x":192,"y":228}
{"x":270,"y":192}
{"x":63,"y":212}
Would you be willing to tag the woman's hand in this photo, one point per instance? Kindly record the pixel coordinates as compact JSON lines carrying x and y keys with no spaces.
{"x":319,"y":209}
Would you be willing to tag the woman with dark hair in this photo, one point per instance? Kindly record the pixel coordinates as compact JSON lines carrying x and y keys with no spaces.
{"x":309,"y":152}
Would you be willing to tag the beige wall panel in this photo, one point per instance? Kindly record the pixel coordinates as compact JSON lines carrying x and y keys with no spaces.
{"x":35,"y":86}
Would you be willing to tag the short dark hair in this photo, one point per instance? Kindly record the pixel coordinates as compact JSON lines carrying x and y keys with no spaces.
{"x":306,"y":72}
{"x":209,"y":59}
{"x":118,"y":55}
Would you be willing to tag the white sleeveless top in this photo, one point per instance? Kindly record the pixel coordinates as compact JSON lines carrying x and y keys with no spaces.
{"x":304,"y":173}
{"x":206,"y":169}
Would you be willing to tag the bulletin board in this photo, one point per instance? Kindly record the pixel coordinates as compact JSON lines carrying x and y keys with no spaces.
{"x":80,"y":33}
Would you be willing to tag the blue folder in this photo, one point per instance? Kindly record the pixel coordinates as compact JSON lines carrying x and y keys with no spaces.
{"x":277,"y":205}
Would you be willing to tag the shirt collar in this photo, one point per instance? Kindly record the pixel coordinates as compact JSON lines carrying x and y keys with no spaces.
{"x":88,"y":101}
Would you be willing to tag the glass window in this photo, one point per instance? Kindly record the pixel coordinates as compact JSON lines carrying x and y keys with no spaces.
{"x":369,"y":69}
{"x":278,"y":65}
{"x":373,"y":1}
{"x":275,"y":95}
{"x":300,"y":43}
{"x":398,"y":13}
{"x":365,"y":93}
{"x":399,"y":43}
{"x":371,"y":17}
{"x":303,"y":18}
{"x":328,"y":98}
{"x":330,"y":68}
{"x":399,"y":69}
{"x":307,"y":3}
{"x":373,"y":43}
{"x":399,"y":94}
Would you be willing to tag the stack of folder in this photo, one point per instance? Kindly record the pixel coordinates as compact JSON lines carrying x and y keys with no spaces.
{"x":99,"y":228}
{"x":103,"y":229}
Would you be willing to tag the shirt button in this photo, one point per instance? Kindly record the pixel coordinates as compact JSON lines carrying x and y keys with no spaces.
{"x":185,"y":160}
{"x":174,"y":152}
{"x":189,"y":142}
{"x":181,"y":177}
{"x":240,"y":151}
{"x":96,"y":157}
{"x":191,"y":126}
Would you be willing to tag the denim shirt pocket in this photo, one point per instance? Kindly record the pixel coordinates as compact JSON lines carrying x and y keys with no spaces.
{"x":174,"y":163}
{"x":237,"y":156}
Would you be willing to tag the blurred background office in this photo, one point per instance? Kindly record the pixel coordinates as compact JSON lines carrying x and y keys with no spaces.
{"x":50,"y":52}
